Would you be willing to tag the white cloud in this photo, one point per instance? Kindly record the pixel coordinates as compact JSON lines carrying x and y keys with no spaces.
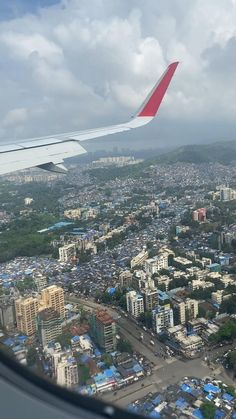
{"x":79,"y":64}
{"x":15,"y":117}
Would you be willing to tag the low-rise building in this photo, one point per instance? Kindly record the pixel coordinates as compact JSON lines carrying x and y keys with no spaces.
{"x":188,"y":345}
{"x":139,"y":259}
{"x":156,"y":264}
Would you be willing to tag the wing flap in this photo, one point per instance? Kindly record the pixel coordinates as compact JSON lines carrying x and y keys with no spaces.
{"x":12,"y":161}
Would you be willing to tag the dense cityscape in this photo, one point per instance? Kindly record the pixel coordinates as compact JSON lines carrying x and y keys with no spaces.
{"x":118,"y":280}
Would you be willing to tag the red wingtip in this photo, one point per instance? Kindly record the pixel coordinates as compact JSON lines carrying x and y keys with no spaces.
{"x":154,"y":99}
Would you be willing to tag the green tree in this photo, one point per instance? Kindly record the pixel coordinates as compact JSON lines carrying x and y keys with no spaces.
{"x":146,"y":319}
{"x":64,"y":339}
{"x":124,"y":346}
{"x":229,"y":305}
{"x":208,"y":410}
{"x":107,"y":359}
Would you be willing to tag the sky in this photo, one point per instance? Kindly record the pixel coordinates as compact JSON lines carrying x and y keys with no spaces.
{"x":77,"y":64}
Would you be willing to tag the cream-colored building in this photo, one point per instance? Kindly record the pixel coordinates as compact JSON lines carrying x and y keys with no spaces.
{"x":73,"y":214}
{"x":139,"y":259}
{"x":187,"y":309}
{"x":53,"y":296}
{"x":67,"y":252}
{"x":157,"y":263}
{"x":67,"y":372}
{"x":26,"y":314}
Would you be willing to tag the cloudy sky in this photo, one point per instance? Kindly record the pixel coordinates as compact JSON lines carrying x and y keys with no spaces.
{"x":75,"y":64}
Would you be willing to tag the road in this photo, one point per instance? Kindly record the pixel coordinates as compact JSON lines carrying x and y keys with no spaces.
{"x":161,"y":378}
{"x":130,"y":331}
{"x":165,"y":371}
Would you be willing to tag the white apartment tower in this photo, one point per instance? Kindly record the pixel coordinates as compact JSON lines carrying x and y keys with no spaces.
{"x":134,"y":303}
{"x":67,"y":372}
{"x":162,"y":318}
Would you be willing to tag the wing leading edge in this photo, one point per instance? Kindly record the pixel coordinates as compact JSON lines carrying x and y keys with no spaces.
{"x":49,"y":152}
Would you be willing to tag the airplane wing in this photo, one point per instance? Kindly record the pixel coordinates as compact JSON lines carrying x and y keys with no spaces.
{"x":49,"y":152}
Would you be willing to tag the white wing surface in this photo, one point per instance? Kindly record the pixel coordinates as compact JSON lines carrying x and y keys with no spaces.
{"x":49,"y":152}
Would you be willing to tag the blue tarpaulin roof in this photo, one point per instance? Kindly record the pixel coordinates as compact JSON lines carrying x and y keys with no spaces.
{"x":108,"y":373}
{"x":198,"y":414}
{"x":186,"y":388}
{"x":154,"y":414}
{"x":8,"y":342}
{"x":157,"y":400}
{"x":22,"y":337}
{"x":228,"y":397}
{"x":75,"y":338}
{"x":181,"y":403}
{"x":219,"y":414}
{"x":210,"y":388}
{"x":111,"y":290}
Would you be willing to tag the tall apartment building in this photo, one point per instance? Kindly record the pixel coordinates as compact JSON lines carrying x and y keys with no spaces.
{"x":67,"y":253}
{"x":67,"y":372}
{"x":125,"y":278}
{"x":7,"y":315}
{"x":53,"y":296}
{"x":226,"y":194}
{"x":103,"y":329}
{"x":150,"y":298}
{"x":162,"y":318}
{"x":134,"y":303}
{"x":26,"y":314}
{"x":49,"y":325}
{"x":199,"y":214}
{"x":186,"y":310}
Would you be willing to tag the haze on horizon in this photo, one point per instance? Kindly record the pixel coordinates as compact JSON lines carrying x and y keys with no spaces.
{"x":73,"y":64}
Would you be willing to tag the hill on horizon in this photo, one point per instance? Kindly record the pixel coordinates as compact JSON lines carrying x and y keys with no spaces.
{"x":222,"y":152}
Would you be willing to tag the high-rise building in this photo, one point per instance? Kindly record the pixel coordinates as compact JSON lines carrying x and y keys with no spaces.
{"x":53,"y":296}
{"x":150,"y":298}
{"x":199,"y":214}
{"x":103,"y":329}
{"x":225,"y":194}
{"x":134,"y":303}
{"x":7,"y":315}
{"x":26,"y":313}
{"x":67,"y":372}
{"x":49,"y":325}
{"x":185,"y":310}
{"x":67,"y":253}
{"x":162,"y":318}
{"x":125,"y":278}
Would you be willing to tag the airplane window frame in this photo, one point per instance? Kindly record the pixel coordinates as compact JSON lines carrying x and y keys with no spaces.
{"x":37,"y":386}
